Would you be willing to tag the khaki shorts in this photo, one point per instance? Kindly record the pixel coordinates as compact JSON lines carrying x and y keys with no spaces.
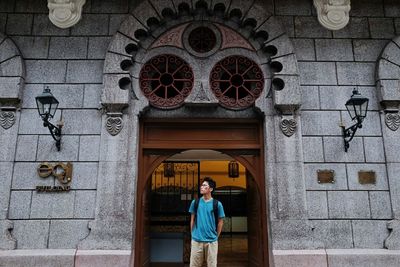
{"x":201,"y":251}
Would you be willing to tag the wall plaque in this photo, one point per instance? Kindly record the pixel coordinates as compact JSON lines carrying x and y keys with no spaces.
{"x":367,"y":177}
{"x":326,"y":176}
{"x":59,"y":170}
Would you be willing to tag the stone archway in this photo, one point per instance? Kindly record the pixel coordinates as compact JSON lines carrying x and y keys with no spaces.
{"x":123,"y":104}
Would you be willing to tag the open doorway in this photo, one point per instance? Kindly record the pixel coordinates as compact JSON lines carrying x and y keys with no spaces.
{"x":162,"y":218}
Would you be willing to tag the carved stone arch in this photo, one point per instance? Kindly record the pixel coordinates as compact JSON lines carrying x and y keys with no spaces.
{"x":388,"y":82}
{"x":150,"y":19}
{"x":12,"y":77}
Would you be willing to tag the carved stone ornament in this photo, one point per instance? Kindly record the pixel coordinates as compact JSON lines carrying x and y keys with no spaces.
{"x":114,"y":123}
{"x":65,"y":13}
{"x":392,"y":121}
{"x":333,"y":14}
{"x":7,"y":119}
{"x":288,"y":126}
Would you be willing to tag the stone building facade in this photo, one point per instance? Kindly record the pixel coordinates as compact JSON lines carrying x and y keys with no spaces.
{"x":308,"y":73}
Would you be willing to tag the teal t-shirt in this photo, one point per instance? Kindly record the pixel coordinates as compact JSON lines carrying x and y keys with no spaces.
{"x":204,"y":230}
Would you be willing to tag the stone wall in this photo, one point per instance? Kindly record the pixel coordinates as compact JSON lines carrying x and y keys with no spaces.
{"x":344,"y":214}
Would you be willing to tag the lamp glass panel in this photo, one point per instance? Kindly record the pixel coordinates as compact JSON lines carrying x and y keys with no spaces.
{"x":364,"y":107}
{"x":351,"y":109}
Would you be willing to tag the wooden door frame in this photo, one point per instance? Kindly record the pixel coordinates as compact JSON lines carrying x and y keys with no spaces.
{"x":160,"y":139}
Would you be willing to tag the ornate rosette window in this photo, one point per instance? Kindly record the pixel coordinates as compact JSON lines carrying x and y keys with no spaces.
{"x":237,"y":82}
{"x":166,"y":80}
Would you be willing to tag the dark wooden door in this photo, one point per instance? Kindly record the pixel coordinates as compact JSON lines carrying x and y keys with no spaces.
{"x":254,"y":225}
{"x":146,"y":207}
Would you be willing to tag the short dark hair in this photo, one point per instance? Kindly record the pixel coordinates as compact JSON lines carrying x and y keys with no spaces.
{"x":210,"y":182}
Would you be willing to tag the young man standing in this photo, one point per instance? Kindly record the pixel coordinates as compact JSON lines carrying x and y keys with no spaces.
{"x":204,"y":227}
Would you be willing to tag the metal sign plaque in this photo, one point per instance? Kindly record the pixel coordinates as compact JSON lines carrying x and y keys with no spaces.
{"x":367,"y":177}
{"x":326,"y":176}
{"x":61,"y":171}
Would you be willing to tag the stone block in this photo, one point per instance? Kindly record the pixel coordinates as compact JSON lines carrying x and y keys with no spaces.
{"x":309,"y":27}
{"x":368,"y":50}
{"x":334,"y":233}
{"x":45,"y":71}
{"x":288,"y":24}
{"x":381,"y":28}
{"x":91,"y":24}
{"x":12,"y":67}
{"x":369,"y":234}
{"x":84,"y":176}
{"x":287,"y":99}
{"x":348,"y":205}
{"x":43,"y":26}
{"x":97,"y":47}
{"x":89,"y":147}
{"x":20,"y":205}
{"x":289,"y":149}
{"x":381,"y":207}
{"x":369,"y":8}
{"x":391,"y":143}
{"x":31,"y":234}
{"x":289,"y":7}
{"x":81,"y":121}
{"x":356,"y":73}
{"x":31,"y":6}
{"x":25,"y":176}
{"x":299,"y":258}
{"x":311,"y":176}
{"x":291,"y":196}
{"x":92,"y":95}
{"x":334,"y":50}
{"x":310,"y":97}
{"x":313,"y":149}
{"x":293,"y":234}
{"x":32,"y":47}
{"x":380,"y":172}
{"x":38,"y":258}
{"x":6,"y":172}
{"x":47,"y":149}
{"x":317,"y":73}
{"x":3,"y":20}
{"x":8,"y":140}
{"x":68,"y":48}
{"x":391,"y":8}
{"x":67,"y":233}
{"x":119,"y":6}
{"x":113,"y":148}
{"x":10,"y":87}
{"x":19,"y":24}
{"x":7,"y":6}
{"x":26,"y":148}
{"x":317,"y":205}
{"x":69,"y":95}
{"x":363,"y":257}
{"x":56,"y":205}
{"x":334,"y":150}
{"x":85,"y":203}
{"x":320,"y":123}
{"x":7,"y":49}
{"x":113,"y":65}
{"x":115,"y":23}
{"x":304,"y":48}
{"x":102,"y":258}
{"x":394,"y":185}
{"x":85,"y":71}
{"x":356,"y":28}
{"x":397,"y":25}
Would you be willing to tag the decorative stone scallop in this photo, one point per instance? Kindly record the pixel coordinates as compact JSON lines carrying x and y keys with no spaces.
{"x":114,"y":123}
{"x":333,"y":14}
{"x":65,"y":13}
{"x":7,"y":118}
{"x":288,"y":126}
{"x":392,"y":120}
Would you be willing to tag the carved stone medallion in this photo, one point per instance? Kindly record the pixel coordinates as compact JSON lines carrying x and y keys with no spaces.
{"x":392,"y":121}
{"x":7,"y":119}
{"x":288,"y":126}
{"x":114,"y":124}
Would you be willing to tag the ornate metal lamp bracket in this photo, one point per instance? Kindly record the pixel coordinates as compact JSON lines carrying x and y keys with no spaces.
{"x":65,"y":13}
{"x":333,"y":14}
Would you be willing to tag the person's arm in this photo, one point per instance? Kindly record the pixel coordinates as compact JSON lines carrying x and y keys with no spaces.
{"x":220,"y":224}
{"x":191,"y":222}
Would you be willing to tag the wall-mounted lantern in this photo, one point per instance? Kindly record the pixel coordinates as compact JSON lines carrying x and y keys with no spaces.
{"x":357,"y":107}
{"x":47,"y":105}
{"x":233,"y":169}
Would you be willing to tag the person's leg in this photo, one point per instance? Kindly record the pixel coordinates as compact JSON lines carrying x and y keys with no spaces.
{"x":211,"y":251}
{"x":196,"y":254}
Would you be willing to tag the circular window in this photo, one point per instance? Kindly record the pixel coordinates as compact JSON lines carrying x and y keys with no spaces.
{"x":166,"y":80}
{"x":237,"y":82}
{"x":202,"y":39}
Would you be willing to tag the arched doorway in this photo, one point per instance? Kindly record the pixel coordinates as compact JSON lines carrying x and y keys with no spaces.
{"x":240,"y":139}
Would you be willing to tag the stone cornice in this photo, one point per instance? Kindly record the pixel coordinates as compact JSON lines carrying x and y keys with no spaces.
{"x":65,"y":13}
{"x":333,"y":14}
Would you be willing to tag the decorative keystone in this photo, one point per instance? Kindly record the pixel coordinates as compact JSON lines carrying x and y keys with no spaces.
{"x":333,"y":14}
{"x":65,"y":13}
{"x":393,"y":240}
